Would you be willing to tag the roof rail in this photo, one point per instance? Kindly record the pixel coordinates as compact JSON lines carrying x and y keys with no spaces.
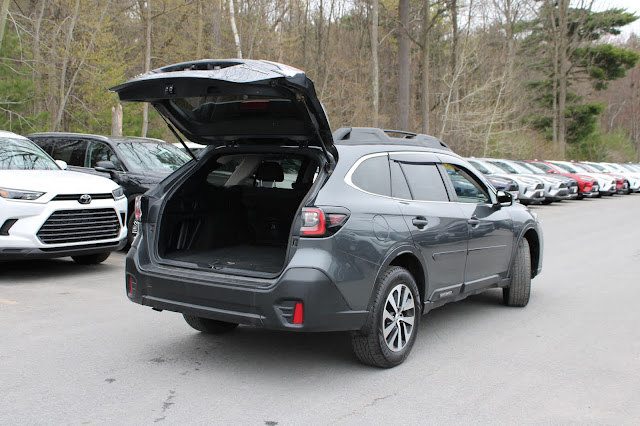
{"x":375,"y":136}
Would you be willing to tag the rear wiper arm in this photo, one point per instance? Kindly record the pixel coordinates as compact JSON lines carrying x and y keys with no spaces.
{"x":175,"y":133}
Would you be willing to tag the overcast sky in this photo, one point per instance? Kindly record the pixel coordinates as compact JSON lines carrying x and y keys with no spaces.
{"x":630,"y":5}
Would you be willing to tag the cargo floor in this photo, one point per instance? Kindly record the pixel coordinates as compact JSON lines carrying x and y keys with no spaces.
{"x":253,"y":258}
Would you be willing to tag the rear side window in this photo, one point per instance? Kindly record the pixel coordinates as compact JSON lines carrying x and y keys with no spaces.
{"x":425,"y":182}
{"x":372,"y":175}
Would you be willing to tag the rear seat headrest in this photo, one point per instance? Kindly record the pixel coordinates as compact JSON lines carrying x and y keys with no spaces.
{"x":270,"y":171}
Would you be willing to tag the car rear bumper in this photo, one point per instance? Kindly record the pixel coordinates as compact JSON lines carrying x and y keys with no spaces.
{"x":270,"y":306}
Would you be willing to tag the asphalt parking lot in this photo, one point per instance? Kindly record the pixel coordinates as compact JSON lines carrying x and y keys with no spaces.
{"x":74,"y":350}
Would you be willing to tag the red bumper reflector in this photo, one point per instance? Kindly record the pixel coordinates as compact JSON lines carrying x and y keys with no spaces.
{"x":130,"y":285}
{"x":298,"y":315}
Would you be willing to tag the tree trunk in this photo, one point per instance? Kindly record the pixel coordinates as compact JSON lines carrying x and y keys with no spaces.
{"x":374,"y":62}
{"x":453,"y":12}
{"x":65,"y":64}
{"x":116,"y":120}
{"x":4,"y":11}
{"x":236,"y":37}
{"x":37,"y":59}
{"x":426,"y":66}
{"x":404,"y":63}
{"x":563,"y":11}
{"x":147,"y":66}
{"x":199,"y":41}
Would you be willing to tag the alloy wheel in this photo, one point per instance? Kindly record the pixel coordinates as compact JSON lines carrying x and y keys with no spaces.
{"x":398,"y":317}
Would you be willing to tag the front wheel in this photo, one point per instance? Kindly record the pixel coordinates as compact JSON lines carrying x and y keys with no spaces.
{"x":207,"y":325}
{"x":387,"y":338}
{"x":517,"y":294}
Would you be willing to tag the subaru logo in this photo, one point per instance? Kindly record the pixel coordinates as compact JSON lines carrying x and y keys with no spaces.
{"x":84,"y":199}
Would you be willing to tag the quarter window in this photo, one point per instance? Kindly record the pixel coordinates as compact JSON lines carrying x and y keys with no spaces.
{"x":372,"y":175}
{"x":399,"y":187}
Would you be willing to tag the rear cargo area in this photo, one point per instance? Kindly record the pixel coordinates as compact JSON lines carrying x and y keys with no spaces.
{"x":236,"y":212}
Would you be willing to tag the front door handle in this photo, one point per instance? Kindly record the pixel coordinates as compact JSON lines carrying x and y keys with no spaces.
{"x":420,"y":222}
{"x":473,"y":221}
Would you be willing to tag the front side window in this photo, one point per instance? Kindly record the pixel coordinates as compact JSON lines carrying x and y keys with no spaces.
{"x":372,"y":175}
{"x":19,"y":154}
{"x":467,"y":187}
{"x":99,"y":151}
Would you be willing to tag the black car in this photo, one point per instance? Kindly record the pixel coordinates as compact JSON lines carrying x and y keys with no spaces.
{"x":282,"y":225}
{"x":136,"y":164}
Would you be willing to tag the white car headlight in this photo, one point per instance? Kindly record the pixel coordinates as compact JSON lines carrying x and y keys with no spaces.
{"x":118,"y":193}
{"x":17,"y":194}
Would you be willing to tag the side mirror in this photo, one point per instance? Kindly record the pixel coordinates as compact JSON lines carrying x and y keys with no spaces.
{"x":504,"y":198}
{"x":105,"y":165}
{"x":62,"y":164}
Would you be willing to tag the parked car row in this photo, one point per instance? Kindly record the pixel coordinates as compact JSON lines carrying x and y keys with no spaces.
{"x":543,"y":182}
{"x":86,"y":211}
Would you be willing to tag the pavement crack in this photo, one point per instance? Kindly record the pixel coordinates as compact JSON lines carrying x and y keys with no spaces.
{"x":166,"y":405}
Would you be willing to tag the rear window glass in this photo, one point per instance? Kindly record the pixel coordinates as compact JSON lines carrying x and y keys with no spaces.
{"x":205,"y":109}
{"x":372,"y":175}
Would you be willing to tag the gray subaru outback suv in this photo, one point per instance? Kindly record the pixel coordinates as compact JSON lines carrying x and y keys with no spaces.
{"x":282,"y":224}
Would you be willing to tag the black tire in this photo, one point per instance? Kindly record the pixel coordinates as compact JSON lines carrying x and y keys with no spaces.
{"x":209,"y":326}
{"x":91,"y":259}
{"x":369,"y":344}
{"x":518,"y":292}
{"x":546,"y":201}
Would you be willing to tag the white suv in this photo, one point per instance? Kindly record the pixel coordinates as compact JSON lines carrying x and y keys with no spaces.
{"x":46,"y":211}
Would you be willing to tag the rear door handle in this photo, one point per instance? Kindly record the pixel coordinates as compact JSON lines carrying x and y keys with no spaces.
{"x":420,"y":222}
{"x":473,"y":221}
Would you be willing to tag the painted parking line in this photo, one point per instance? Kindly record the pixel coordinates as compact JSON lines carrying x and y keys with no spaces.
{"x":8,"y":302}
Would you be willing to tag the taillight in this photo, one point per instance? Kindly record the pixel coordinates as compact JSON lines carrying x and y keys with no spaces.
{"x":313,"y":222}
{"x":138,"y":208}
{"x":323,"y":222}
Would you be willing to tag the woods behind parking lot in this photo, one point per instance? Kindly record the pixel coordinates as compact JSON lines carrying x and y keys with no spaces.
{"x":75,"y":350}
{"x":497,"y":78}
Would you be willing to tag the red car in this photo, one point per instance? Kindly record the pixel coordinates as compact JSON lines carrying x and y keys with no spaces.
{"x":588,"y":186}
{"x":622,"y":185}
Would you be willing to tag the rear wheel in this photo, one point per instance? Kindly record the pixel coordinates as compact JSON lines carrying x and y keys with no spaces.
{"x":517,"y":294}
{"x":91,"y":259}
{"x":387,"y":338}
{"x":207,"y":325}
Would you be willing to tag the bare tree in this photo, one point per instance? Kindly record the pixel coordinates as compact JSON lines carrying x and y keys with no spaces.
{"x":4,"y":11}
{"x":404,"y":64}
{"x":374,"y":62}
{"x":236,"y":37}
{"x":147,"y":63}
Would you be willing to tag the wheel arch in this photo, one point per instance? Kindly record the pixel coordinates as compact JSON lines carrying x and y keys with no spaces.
{"x":408,"y":258}
{"x":532,"y":237}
